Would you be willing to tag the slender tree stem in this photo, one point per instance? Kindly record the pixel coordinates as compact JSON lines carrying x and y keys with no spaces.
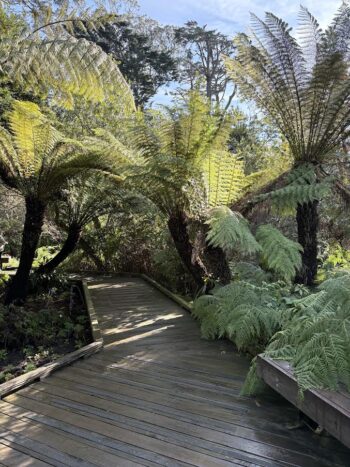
{"x":70,"y":244}
{"x":34,"y":219}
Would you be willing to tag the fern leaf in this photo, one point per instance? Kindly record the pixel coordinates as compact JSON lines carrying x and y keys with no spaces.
{"x":229,"y":230}
{"x":281,"y":255}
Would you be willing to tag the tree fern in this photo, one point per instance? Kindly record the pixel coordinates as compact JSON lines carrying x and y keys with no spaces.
{"x":281,"y":255}
{"x":230,"y":230}
{"x":302,"y":187}
{"x":48,"y":59}
{"x":315,"y":337}
{"x":37,"y":160}
{"x":303,"y":85}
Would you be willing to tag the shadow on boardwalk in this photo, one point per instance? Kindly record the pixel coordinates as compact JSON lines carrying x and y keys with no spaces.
{"x":156,"y":395}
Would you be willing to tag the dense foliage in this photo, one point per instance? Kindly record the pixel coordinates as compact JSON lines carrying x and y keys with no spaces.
{"x":245,"y":211}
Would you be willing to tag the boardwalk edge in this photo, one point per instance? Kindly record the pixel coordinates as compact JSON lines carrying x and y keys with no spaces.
{"x":44,"y":371}
{"x":180,"y":301}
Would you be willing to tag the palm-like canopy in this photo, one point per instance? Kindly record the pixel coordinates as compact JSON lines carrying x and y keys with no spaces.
{"x":46,"y":59}
{"x":304,"y":86}
{"x":186,"y":171}
{"x":186,"y":165}
{"x":36,"y":160}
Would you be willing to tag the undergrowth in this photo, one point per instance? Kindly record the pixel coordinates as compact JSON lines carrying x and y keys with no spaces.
{"x":310,"y":329}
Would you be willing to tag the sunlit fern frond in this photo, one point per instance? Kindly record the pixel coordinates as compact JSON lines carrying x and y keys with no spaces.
{"x":36,"y":158}
{"x":224,"y":178}
{"x":279,"y":253}
{"x":65,"y":67}
{"x":229,"y":230}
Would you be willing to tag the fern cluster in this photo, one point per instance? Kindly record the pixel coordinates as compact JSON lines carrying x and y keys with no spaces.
{"x":246,"y":313}
{"x":315,"y":338}
{"x":230,"y":231}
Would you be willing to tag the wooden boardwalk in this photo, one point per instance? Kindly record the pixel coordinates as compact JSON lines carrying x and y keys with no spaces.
{"x":157,"y":395}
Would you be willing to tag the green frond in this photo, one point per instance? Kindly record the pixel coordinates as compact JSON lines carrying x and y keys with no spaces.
{"x":302,"y":85}
{"x":281,"y":255}
{"x":253,"y":384}
{"x":241,"y":312}
{"x":205,"y":310}
{"x":69,"y":67}
{"x":224,"y":178}
{"x":315,"y":339}
{"x":229,"y":230}
{"x":302,"y":187}
{"x":37,"y":160}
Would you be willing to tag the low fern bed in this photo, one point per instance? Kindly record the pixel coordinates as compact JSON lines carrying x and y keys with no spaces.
{"x":310,"y":329}
{"x":50,"y":325}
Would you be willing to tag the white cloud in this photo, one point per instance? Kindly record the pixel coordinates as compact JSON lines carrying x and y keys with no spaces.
{"x":231,"y":16}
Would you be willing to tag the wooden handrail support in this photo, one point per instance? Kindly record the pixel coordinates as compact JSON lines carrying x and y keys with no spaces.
{"x":329,"y":409}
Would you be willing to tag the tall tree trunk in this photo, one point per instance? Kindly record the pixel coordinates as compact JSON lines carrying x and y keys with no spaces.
{"x":70,"y":244}
{"x":34,"y":219}
{"x":178,"y":224}
{"x":307,"y":222}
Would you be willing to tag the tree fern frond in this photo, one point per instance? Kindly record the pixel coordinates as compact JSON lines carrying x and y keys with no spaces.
{"x":302,"y":187}
{"x":224,"y":177}
{"x":67,"y":66}
{"x":250,"y":273}
{"x":37,"y":159}
{"x":303,"y":87}
{"x":229,"y":230}
{"x":281,"y":255}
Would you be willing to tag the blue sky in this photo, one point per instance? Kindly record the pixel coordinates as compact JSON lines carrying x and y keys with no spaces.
{"x":232,"y":16}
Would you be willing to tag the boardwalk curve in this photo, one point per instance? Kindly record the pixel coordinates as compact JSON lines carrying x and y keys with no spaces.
{"x":155,"y":395}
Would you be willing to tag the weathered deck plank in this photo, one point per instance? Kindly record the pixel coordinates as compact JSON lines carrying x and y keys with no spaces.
{"x":156,"y":395}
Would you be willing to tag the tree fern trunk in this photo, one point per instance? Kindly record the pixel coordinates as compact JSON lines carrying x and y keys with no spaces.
{"x":217,"y":264}
{"x":70,"y":244}
{"x":34,"y":218}
{"x":178,"y":224}
{"x":214,"y":258}
{"x":307,"y":221}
